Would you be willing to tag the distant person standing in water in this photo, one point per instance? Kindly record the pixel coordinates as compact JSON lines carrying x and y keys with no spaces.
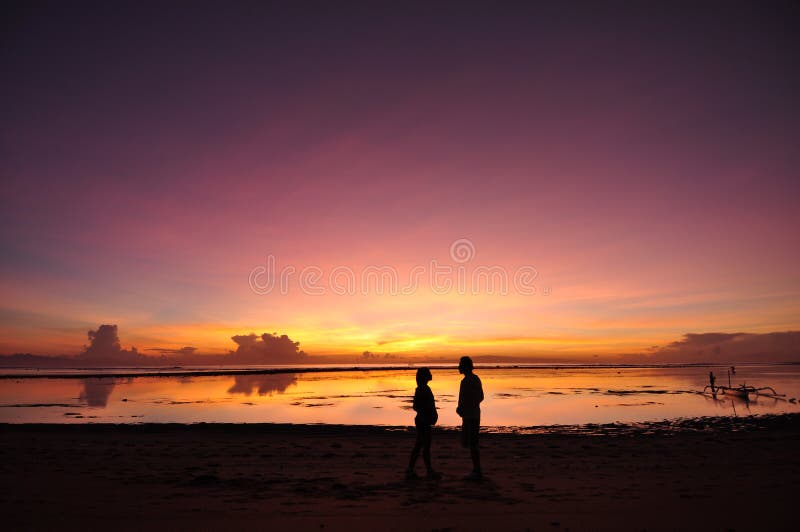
{"x":425,"y":407}
{"x":470,"y":396}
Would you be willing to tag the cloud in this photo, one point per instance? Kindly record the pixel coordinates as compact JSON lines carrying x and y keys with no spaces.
{"x":104,"y":347}
{"x":266,"y":349}
{"x":732,"y":347}
{"x":103,"y":342}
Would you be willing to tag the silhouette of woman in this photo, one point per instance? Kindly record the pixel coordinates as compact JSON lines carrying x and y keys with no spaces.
{"x":425,"y":407}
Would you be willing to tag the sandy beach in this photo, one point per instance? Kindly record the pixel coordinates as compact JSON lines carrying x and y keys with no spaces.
{"x":717,"y":474}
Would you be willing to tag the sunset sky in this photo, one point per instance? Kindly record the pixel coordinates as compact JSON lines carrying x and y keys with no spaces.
{"x":642,"y":159}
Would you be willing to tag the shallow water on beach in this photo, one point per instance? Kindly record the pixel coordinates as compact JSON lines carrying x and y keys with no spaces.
{"x":515,"y":397}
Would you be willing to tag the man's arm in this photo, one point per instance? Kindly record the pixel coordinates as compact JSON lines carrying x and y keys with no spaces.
{"x":460,"y":398}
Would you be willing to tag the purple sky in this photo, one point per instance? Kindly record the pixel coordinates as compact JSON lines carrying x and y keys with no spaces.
{"x":641,"y":156}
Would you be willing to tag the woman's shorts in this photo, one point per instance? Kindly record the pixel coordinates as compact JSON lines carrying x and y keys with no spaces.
{"x":423,"y":433}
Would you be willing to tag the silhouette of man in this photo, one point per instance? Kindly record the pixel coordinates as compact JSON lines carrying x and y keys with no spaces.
{"x":470,"y":396}
{"x":425,"y":406}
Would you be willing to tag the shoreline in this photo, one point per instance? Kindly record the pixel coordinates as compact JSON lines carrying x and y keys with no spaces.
{"x":119,"y":373}
{"x":666,"y":427}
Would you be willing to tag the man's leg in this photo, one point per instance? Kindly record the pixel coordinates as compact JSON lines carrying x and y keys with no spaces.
{"x":471,"y":430}
{"x":476,"y":457}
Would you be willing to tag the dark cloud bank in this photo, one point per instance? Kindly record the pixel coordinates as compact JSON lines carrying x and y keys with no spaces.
{"x":105,"y":350}
{"x":730,"y":347}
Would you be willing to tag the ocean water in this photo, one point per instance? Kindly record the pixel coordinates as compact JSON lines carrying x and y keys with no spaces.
{"x":514,"y":396}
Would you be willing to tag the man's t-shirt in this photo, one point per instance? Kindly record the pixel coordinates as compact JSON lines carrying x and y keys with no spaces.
{"x":470,"y":396}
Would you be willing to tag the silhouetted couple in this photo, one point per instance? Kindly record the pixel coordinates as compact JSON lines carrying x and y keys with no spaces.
{"x":470,"y":396}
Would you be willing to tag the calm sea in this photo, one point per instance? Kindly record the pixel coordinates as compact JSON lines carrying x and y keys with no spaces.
{"x":515,"y":397}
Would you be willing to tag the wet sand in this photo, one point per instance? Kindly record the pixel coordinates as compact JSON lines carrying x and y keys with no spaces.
{"x":723,"y":474}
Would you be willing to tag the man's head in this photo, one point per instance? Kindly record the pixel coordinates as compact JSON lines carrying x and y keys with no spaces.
{"x":465,"y":365}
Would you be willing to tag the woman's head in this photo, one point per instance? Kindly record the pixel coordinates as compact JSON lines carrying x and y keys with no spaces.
{"x":423,"y":376}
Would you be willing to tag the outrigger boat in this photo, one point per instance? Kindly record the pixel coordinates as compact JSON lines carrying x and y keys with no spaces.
{"x":743,"y":391}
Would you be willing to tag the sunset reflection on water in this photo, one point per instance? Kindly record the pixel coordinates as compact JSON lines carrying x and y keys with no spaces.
{"x":514,"y":397}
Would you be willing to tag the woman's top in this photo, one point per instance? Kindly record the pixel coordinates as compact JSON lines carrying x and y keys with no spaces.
{"x":425,"y":406}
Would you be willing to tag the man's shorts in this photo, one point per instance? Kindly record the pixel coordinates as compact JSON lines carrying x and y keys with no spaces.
{"x":470,"y":428}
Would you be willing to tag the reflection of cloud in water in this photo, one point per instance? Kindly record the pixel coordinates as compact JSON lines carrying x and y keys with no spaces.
{"x":264,"y":384}
{"x":648,"y":403}
{"x":96,"y":391}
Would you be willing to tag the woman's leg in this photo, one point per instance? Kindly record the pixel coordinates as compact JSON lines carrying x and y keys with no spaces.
{"x":426,"y":447}
{"x":414,"y":455}
{"x":422,"y":444}
{"x":418,"y":445}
